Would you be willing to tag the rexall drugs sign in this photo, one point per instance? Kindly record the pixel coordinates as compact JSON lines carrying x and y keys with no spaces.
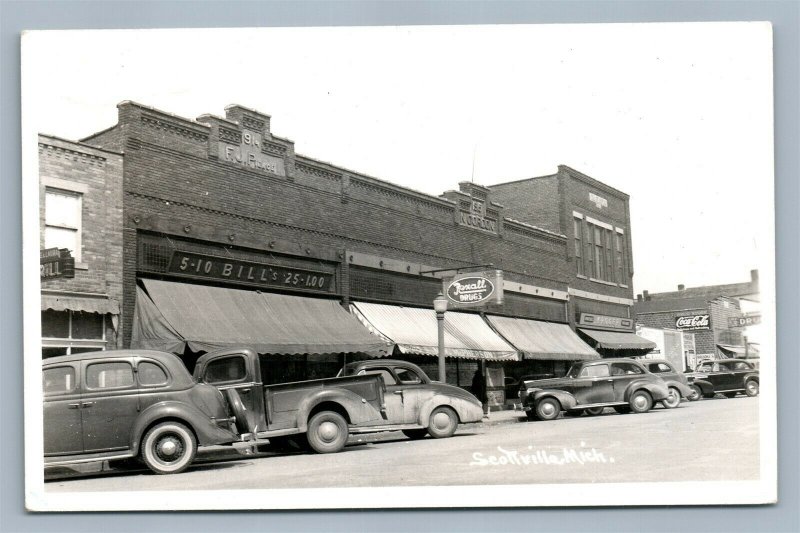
{"x":472,"y":289}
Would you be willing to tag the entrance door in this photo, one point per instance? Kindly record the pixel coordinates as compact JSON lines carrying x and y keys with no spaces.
{"x":600,"y":387}
{"x":63,"y":432}
{"x":109,"y":405}
{"x":395,"y":410}
{"x":622,"y":374}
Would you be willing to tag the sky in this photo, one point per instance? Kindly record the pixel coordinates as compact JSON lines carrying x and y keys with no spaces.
{"x":678,"y":116}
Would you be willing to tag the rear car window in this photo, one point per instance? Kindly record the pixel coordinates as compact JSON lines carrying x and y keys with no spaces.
{"x":624,"y":369}
{"x":58,"y":380}
{"x":659,"y":368}
{"x":150,"y":374}
{"x":112,"y":375}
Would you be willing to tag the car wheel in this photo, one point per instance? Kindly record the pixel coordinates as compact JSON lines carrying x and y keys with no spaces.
{"x":327,"y":432}
{"x":751,"y":387}
{"x":730,"y":394}
{"x":442,"y":422}
{"x":640,"y":401}
{"x":415,"y":434}
{"x":168,"y":448}
{"x":594,"y":411}
{"x":622,"y":409}
{"x":548,"y":409}
{"x":697,"y":393}
{"x":239,"y":411}
{"x":673,"y":400}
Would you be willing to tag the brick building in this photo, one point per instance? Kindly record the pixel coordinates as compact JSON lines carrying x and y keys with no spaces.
{"x":80,"y":191}
{"x":224,"y":204}
{"x":707,"y":311}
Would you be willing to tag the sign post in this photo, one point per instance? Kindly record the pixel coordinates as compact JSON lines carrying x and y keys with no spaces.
{"x":440,"y":306}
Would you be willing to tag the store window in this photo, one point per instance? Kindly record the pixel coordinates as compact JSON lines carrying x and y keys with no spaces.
{"x":622,"y":270}
{"x":72,"y":332}
{"x":62,"y":220}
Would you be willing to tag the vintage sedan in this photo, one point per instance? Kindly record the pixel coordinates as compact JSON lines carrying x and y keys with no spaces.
{"x":120,"y":404}
{"x":591,"y":386}
{"x":725,"y":376}
{"x":414,"y":404}
{"x":676,"y":381}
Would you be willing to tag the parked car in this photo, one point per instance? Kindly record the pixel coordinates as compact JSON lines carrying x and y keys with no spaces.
{"x":676,"y":381}
{"x":319,"y":413}
{"x":591,"y":386}
{"x":725,"y":376}
{"x":512,"y":385}
{"x":414,"y":404}
{"x":120,"y":404}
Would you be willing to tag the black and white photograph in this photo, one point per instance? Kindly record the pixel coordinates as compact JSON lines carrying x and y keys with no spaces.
{"x":399,"y":267}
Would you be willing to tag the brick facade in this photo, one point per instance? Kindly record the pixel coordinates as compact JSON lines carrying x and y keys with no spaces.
{"x":95,"y":176}
{"x":229,"y":184}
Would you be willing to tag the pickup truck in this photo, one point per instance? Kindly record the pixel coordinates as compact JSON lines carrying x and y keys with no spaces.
{"x":325,"y":411}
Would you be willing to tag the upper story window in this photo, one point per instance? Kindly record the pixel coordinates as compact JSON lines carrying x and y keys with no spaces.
{"x":62,"y":220}
{"x":599,"y":250}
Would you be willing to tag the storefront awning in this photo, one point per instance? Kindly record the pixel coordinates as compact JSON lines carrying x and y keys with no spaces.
{"x":739,"y":351}
{"x":617,"y":340}
{"x":85,"y":304}
{"x":542,"y":340}
{"x":171,"y":315}
{"x":415,"y":331}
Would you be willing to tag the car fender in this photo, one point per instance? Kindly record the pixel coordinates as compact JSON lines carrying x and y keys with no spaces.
{"x":704,"y":385}
{"x":684,"y":389}
{"x":205,"y":429}
{"x":358,"y":410}
{"x":658,"y":391}
{"x":751,"y":375}
{"x":567,"y":400}
{"x":466,"y":410}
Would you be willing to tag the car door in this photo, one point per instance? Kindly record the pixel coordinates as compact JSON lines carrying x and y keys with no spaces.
{"x":395,"y":410}
{"x":712,"y":374}
{"x":63,"y":430}
{"x":414,"y":393}
{"x":593,"y":385}
{"x":725,"y":377}
{"x":109,"y":404}
{"x":622,"y":374}
{"x":231,"y":372}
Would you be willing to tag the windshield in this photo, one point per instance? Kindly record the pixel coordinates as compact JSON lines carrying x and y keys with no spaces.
{"x":573,"y":371}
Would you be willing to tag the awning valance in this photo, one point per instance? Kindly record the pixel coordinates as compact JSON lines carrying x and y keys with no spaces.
{"x":415,"y":331}
{"x":171,"y":315}
{"x":542,"y":340}
{"x":85,"y":304}
{"x":617,"y":340}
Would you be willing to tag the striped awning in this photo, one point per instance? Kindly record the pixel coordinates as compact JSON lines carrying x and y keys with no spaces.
{"x":170,"y":316}
{"x":543,"y":340}
{"x":415,"y":331}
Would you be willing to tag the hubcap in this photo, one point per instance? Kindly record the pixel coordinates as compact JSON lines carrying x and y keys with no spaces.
{"x":328,"y":431}
{"x":441,"y":420}
{"x":640,"y":402}
{"x":752,"y":387}
{"x":169,"y":449}
{"x":673,"y":398}
{"x":548,"y":409}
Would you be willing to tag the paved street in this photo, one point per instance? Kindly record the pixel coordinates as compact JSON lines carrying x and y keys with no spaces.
{"x":701,"y":441}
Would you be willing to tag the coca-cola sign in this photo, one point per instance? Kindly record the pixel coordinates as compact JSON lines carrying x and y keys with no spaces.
{"x":474,"y":289}
{"x":692,"y":322}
